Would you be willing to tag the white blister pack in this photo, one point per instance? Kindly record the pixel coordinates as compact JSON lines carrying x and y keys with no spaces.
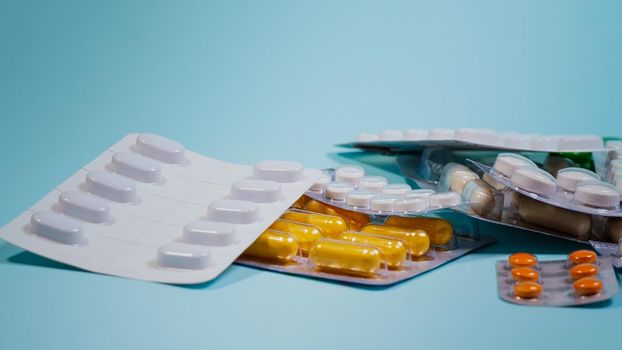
{"x":148,"y":209}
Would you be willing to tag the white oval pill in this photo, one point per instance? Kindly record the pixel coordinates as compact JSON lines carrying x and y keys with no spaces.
{"x":365,"y":137}
{"x":568,"y":178}
{"x":136,"y":167}
{"x":597,"y":194}
{"x":111,"y":186}
{"x":349,"y":173}
{"x":506,"y":163}
{"x":337,"y":190}
{"x":160,"y":148}
{"x":410,"y":204}
{"x":318,"y":185}
{"x":444,"y":199}
{"x":279,"y":171}
{"x":261,"y":191}
{"x":396,"y":190}
{"x":233,"y":211}
{"x":477,"y":136}
{"x":390,"y":135}
{"x":184,"y":256}
{"x":57,"y":227}
{"x":415,"y":135}
{"x":580,"y":142}
{"x":372,"y":183}
{"x":438,"y":134}
{"x":84,"y":206}
{"x":383,"y":203}
{"x":534,"y":180}
{"x":209,"y":233}
{"x":360,"y":198}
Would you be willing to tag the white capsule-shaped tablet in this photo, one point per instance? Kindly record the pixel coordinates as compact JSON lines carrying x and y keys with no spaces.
{"x":111,"y":186}
{"x":260,"y":191}
{"x":477,"y":136}
{"x":580,"y":142}
{"x":84,"y":207}
{"x":233,"y":211}
{"x":438,"y":134}
{"x":365,"y":137}
{"x":410,"y":205}
{"x":337,"y":190}
{"x":444,"y":199}
{"x":396,"y":190}
{"x":568,"y":178}
{"x":56,"y":227}
{"x":184,"y":256}
{"x":544,"y":143}
{"x":390,"y":135}
{"x":415,"y":135}
{"x":160,"y":148}
{"x":318,"y":185}
{"x":597,"y":194}
{"x":516,"y":141}
{"x":382,"y":203}
{"x":279,"y":171}
{"x":349,"y":173}
{"x":534,"y":180}
{"x":137,"y":167}
{"x":360,"y":198}
{"x":209,"y":233}
{"x":372,"y":183}
{"x":507,"y":163}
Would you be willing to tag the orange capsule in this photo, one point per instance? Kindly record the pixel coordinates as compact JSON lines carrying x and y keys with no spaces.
{"x":588,"y":286}
{"x":527,"y":289}
{"x":525,"y":274}
{"x":583,"y":270}
{"x":582,"y":256}
{"x":522,"y":260}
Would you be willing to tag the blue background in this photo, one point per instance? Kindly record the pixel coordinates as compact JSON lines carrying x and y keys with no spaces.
{"x":246,"y":81}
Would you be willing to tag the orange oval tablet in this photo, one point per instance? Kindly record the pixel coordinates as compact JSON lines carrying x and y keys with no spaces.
{"x":583,"y":270}
{"x":528,"y":289}
{"x":582,"y":256}
{"x":522,"y":260}
{"x":588,"y":286}
{"x":525,"y":274}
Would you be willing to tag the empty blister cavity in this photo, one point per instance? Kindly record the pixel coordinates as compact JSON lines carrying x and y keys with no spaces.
{"x":372,"y":183}
{"x":160,"y":148}
{"x":111,"y":186}
{"x":261,"y":191}
{"x":279,"y":171}
{"x":439,"y":134}
{"x":57,"y":227}
{"x":580,"y":142}
{"x":507,"y":163}
{"x":597,"y":194}
{"x":349,"y":174}
{"x":568,"y":178}
{"x":319,"y":184}
{"x":383,"y":203}
{"x":390,"y":135}
{"x":410,"y":204}
{"x":396,"y":190}
{"x":184,"y":256}
{"x":209,"y":233}
{"x":415,"y":135}
{"x":338,"y":190}
{"x":84,"y":206}
{"x":534,"y":180}
{"x":359,"y":198}
{"x":444,"y":199}
{"x":478,"y":136}
{"x":136,"y":167}
{"x":233,"y":211}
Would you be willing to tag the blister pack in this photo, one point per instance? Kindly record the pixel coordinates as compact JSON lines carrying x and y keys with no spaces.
{"x":148,"y":209}
{"x":583,"y":278}
{"x":611,"y":250}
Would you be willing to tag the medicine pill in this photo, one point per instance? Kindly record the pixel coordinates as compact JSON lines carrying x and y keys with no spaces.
{"x":160,"y":148}
{"x":329,"y":225}
{"x":480,"y":196}
{"x":583,"y":270}
{"x":184,"y":256}
{"x":111,"y":186}
{"x":522,"y":260}
{"x":438,"y":134}
{"x":338,"y":190}
{"x":444,"y":199}
{"x":417,"y":240}
{"x":597,"y":194}
{"x":554,"y":218}
{"x":534,"y":180}
{"x":346,"y":257}
{"x":137,"y":167}
{"x":394,"y":251}
{"x":458,"y":176}
{"x":279,"y":171}
{"x":525,"y":274}
{"x":507,"y":163}
{"x":56,"y":227}
{"x":390,"y":135}
{"x":588,"y":286}
{"x":372,"y":183}
{"x":440,"y":231}
{"x":568,"y":178}
{"x":273,"y":245}
{"x":319,"y":184}
{"x":415,"y":135}
{"x":304,"y":234}
{"x":396,"y":189}
{"x":582,"y":256}
{"x":527,"y":289}
{"x":360,"y":199}
{"x":349,"y":174}
{"x":354,"y":220}
{"x":383,"y":203}
{"x":301,"y":202}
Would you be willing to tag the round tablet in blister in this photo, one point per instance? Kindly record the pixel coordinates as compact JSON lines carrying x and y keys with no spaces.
{"x":372,"y":183}
{"x":440,"y":134}
{"x":337,"y":190}
{"x":415,"y":135}
{"x":396,"y":189}
{"x":506,"y":163}
{"x":360,"y":198}
{"x":365,"y":137}
{"x":319,"y":184}
{"x":383,"y":203}
{"x":516,"y":140}
{"x":580,"y":142}
{"x":597,"y":194}
{"x":568,"y":178}
{"x":477,"y":136}
{"x":349,"y":173}
{"x":390,"y":135}
{"x":444,"y":199}
{"x":420,"y":193}
{"x":410,"y":205}
{"x":534,"y":180}
{"x":544,"y":143}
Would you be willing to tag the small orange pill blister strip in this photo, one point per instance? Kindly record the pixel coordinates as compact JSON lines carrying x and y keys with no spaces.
{"x":581,"y":279}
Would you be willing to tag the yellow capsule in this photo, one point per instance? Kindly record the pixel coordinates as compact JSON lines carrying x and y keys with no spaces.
{"x":304,"y":234}
{"x":300,"y":202}
{"x":393,"y":250}
{"x":273,"y":245}
{"x":440,"y":230}
{"x":330,"y":225}
{"x":354,"y":220}
{"x":345,"y":257}
{"x":417,"y":241}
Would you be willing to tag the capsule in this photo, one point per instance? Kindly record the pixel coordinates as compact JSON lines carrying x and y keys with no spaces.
{"x":354,"y":220}
{"x":330,"y":225}
{"x":393,"y":251}
{"x":300,"y":202}
{"x":588,"y":286}
{"x":417,"y":240}
{"x":273,"y":245}
{"x":304,"y":234}
{"x":525,"y":274}
{"x":582,"y":256}
{"x":522,"y":260}
{"x":440,"y":230}
{"x":346,"y":257}
{"x":583,"y":270}
{"x":527,"y":289}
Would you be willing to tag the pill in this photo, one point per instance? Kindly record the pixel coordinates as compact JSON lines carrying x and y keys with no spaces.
{"x":417,"y":241}
{"x":587,"y":286}
{"x":233,"y":211}
{"x":349,"y":174}
{"x":360,"y":199}
{"x":318,"y":185}
{"x":554,"y":218}
{"x":597,"y":194}
{"x":382,"y":203}
{"x":184,"y":256}
{"x":457,"y":176}
{"x":527,"y":289}
{"x":279,"y":171}
{"x":111,"y":186}
{"x":439,"y":134}
{"x":582,"y":256}
{"x":440,"y":231}
{"x":516,"y":141}
{"x":580,"y":143}
{"x":393,"y":251}
{"x":525,"y":274}
{"x":274,"y":246}
{"x":84,"y":206}
{"x":569,"y":177}
{"x":56,"y":227}
{"x":329,"y":225}
{"x":338,"y":190}
{"x":534,"y":180}
{"x":544,"y":143}
{"x":444,"y":199}
{"x":420,"y":193}
{"x":136,"y":167}
{"x":390,"y":135}
{"x":354,"y":220}
{"x":415,"y":135}
{"x":396,"y":190}
{"x":372,"y":183}
{"x":260,"y":191}
{"x":477,"y":136}
{"x":613,"y":230}
{"x":304,"y":234}
{"x":493,"y":182}
{"x":522,"y":260}
{"x":160,"y":148}
{"x":480,"y":197}
{"x":507,"y":163}
{"x":209,"y":233}
{"x":345,"y":257}
{"x":583,"y":270}
{"x":301,"y":202}
{"x":410,"y":205}
{"x":366,"y":137}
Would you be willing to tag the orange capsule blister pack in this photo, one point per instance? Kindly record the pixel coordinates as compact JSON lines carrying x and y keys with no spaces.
{"x":583,"y":278}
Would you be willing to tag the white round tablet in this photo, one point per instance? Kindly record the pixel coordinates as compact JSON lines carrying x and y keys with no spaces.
{"x":477,"y":136}
{"x":444,"y":199}
{"x":383,"y":203}
{"x":440,"y":134}
{"x":516,"y":140}
{"x":580,"y":142}
{"x":360,"y":199}
{"x":597,"y":194}
{"x":506,"y":163}
{"x":534,"y":180}
{"x":569,"y":177}
{"x":544,"y":143}
{"x":396,"y":189}
{"x":410,"y":205}
{"x":415,"y":135}
{"x":349,"y":173}
{"x":365,"y":137}
{"x":390,"y":135}
{"x":319,"y":184}
{"x":337,"y":190}
{"x":372,"y":183}
{"x":423,"y":193}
